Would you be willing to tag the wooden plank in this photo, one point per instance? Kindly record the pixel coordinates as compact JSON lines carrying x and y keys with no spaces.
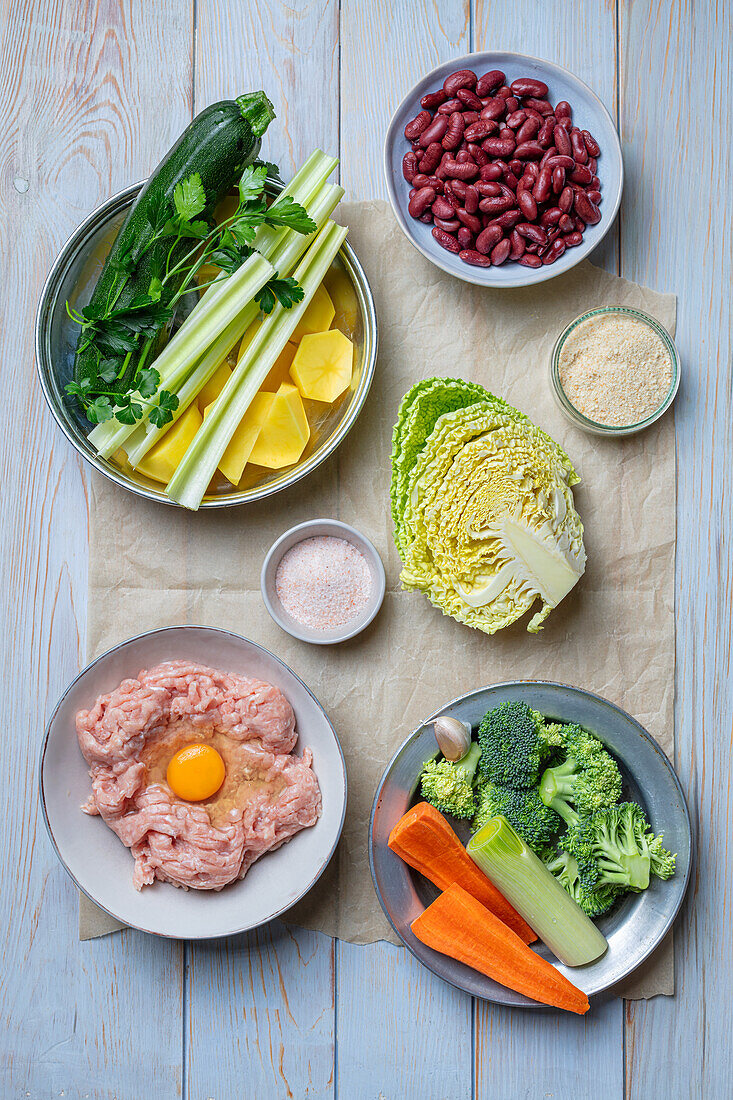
{"x":393,"y":1017}
{"x":78,"y":121}
{"x":584,"y":41}
{"x":674,"y":237}
{"x":267,"y":999}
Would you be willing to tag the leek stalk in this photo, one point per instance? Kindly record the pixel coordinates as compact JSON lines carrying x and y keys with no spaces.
{"x":535,"y":893}
{"x":197,"y":467}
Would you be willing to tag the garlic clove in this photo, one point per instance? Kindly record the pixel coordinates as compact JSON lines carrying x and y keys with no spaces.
{"x":453,"y":736}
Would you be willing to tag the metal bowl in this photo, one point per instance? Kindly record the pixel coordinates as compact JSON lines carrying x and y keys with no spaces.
{"x":72,"y":278}
{"x":633,"y":928}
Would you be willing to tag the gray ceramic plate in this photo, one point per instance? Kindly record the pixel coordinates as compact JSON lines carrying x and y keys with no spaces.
{"x":99,"y":863}
{"x":633,"y":928}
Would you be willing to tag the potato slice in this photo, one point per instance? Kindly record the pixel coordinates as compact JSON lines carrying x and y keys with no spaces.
{"x":212,"y":389}
{"x":317,"y":317}
{"x":161,"y":461}
{"x":239,"y":448}
{"x":323,"y":364}
{"x":284,"y":433}
{"x":341,"y":289}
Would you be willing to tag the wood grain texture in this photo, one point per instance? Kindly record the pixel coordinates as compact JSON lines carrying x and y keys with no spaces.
{"x":674,"y":236}
{"x":267,"y":998}
{"x":77,"y":83}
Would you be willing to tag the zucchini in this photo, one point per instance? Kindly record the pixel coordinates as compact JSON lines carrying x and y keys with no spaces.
{"x":218,"y":144}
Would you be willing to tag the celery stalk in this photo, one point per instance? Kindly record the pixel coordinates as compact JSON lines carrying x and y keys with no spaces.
{"x":536,"y":894}
{"x":287,"y":253}
{"x":191,"y":479}
{"x":306,"y":187}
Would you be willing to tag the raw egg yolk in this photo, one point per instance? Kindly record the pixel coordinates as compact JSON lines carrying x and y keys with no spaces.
{"x":195,"y":772}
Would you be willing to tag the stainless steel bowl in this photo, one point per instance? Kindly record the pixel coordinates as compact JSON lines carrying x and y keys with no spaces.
{"x":72,"y":278}
{"x":634,"y":927}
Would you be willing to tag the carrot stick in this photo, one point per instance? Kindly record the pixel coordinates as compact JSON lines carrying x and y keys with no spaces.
{"x":459,"y":926}
{"x":425,"y":840}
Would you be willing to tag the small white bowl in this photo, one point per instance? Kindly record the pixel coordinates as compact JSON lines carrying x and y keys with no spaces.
{"x":98,"y":862}
{"x":588,"y":112}
{"x":312,"y":529}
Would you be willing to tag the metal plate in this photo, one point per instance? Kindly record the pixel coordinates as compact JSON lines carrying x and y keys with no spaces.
{"x":72,"y":278}
{"x":633,"y":928}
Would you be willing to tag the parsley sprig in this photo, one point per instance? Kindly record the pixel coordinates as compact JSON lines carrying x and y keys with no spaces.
{"x":120,"y":336}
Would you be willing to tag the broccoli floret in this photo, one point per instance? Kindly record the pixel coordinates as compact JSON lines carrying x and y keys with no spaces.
{"x":449,"y":787}
{"x":586,"y":781}
{"x":524,"y":809}
{"x":511,"y":747}
{"x":594,"y":902}
{"x":616,"y":847}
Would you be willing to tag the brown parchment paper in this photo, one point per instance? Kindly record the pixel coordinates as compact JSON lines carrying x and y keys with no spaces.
{"x":153,"y":566}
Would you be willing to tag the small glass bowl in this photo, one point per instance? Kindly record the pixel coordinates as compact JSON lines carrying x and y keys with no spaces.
{"x":594,"y":427}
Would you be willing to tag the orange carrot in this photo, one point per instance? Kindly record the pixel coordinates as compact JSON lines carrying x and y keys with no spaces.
{"x":459,"y":926}
{"x":425,"y":840}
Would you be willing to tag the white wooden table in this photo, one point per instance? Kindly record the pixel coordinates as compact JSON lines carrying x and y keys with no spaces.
{"x":91,"y":95}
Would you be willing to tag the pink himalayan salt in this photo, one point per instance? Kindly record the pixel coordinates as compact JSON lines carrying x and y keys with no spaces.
{"x":323,"y":582}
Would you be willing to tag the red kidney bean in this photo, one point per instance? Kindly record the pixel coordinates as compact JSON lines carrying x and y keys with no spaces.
{"x":518,"y":245}
{"x":528,"y":260}
{"x":487,"y":238}
{"x":558,"y":180}
{"x":565,"y":201}
{"x":554,"y":252}
{"x":580,"y":153}
{"x":593,"y":164}
{"x":415,"y":126}
{"x":495,"y":108}
{"x":563,"y":109}
{"x":488,"y":189}
{"x":434,"y":132}
{"x":496,"y":205}
{"x":416,"y":147}
{"x":420,"y":201}
{"x":507,"y":134}
{"x":595,"y":197}
{"x":572,"y":239}
{"x":510,"y":179}
{"x":527,"y":205}
{"x":532,"y":170}
{"x":489,"y":81}
{"x":462,"y":78}
{"x":409,"y":166}
{"x":504,"y":92}
{"x":515,"y":165}
{"x":550,"y":217}
{"x":469,"y":99}
{"x":545,"y":134}
{"x":539,"y":105}
{"x":527,"y":86}
{"x":450,"y":225}
{"x":586,"y":209}
{"x":477,"y":131}
{"x":541,"y":189}
{"x":442,"y":208}
{"x":512,"y":105}
{"x":471,"y":200}
{"x":421,"y":180}
{"x":532,"y":232}
{"x":529,"y":150}
{"x":590,"y":143}
{"x":426,"y":218}
{"x":565,"y":222}
{"x":528,"y":130}
{"x":559,"y":161}
{"x":469,"y":117}
{"x":478,"y":156}
{"x":491,"y":172}
{"x":499,"y":147}
{"x":531,"y":113}
{"x":564,"y":123}
{"x":469,"y":220}
{"x":581,"y":174}
{"x":500,"y":252}
{"x":460,"y":171}
{"x":454,"y":134}
{"x":562,"y":142}
{"x":433,"y":99}
{"x":450,"y":106}
{"x":463,"y":156}
{"x":533,"y":248}
{"x":445,"y":240}
{"x":458,"y":188}
{"x":595,"y":183}
{"x":508,"y":219}
{"x":515,"y":119}
{"x":465,"y":237}
{"x":580,"y":225}
{"x":471,"y":256}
